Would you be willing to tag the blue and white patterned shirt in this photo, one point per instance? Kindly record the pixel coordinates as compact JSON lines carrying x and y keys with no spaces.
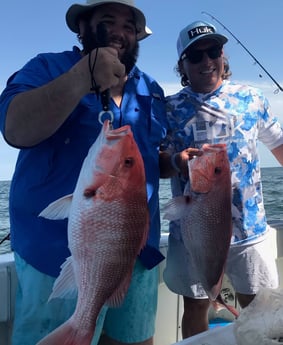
{"x":239,"y":116}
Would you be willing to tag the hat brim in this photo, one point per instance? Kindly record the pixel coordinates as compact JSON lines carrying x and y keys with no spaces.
{"x":77,"y":10}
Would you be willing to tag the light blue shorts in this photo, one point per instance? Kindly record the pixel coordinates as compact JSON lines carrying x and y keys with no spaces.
{"x":249,"y":267}
{"x":133,"y":322}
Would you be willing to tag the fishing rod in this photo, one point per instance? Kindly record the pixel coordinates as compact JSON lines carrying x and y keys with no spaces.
{"x":241,"y":44}
{"x":6,"y":238}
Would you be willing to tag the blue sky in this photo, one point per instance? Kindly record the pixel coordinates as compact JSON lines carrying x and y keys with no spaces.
{"x":32,"y":26}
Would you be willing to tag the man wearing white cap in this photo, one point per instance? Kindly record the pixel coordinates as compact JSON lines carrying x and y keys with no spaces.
{"x":211,"y":109}
{"x":50,"y":111}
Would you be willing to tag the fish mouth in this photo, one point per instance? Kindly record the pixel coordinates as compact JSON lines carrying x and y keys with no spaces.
{"x":115,"y":133}
{"x":214,"y":147}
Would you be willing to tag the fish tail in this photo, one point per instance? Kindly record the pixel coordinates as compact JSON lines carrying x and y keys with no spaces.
{"x":66,"y":334}
{"x":219,"y":304}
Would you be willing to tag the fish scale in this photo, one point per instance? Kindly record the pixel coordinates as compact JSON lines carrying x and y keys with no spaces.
{"x":108,"y":224}
{"x":205,"y":215}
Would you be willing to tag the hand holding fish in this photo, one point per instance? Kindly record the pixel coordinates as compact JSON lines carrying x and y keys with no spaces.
{"x":185,"y":156}
{"x":170,"y":165}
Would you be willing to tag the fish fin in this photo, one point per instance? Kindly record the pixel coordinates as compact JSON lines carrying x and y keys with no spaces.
{"x":176,"y":208}
{"x":65,"y":285}
{"x":219,"y":304}
{"x":66,"y":334}
{"x":58,"y":209}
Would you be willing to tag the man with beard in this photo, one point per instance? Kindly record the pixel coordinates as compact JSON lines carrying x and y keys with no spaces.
{"x":50,"y":110}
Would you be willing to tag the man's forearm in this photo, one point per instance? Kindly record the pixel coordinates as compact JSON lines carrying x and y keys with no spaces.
{"x":36,"y":114}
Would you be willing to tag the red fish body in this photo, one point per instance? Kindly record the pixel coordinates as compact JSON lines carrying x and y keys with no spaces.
{"x":205,"y":215}
{"x":107,"y":227}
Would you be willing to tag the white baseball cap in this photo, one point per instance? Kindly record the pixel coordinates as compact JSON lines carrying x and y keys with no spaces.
{"x":197,"y":31}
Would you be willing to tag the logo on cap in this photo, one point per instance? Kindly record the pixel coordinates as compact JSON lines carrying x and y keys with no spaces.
{"x":201,"y":30}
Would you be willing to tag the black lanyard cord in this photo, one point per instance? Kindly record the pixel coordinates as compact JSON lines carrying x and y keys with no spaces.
{"x":94,"y":86}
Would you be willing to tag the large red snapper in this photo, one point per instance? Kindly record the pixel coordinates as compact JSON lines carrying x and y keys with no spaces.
{"x":107,"y":227}
{"x":205,"y":215}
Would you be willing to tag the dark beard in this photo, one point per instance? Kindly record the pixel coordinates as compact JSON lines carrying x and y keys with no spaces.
{"x":89,"y":42}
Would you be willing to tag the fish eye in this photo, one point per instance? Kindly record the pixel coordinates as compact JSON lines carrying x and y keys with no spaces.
{"x":217,"y":171}
{"x":129,"y":162}
{"x":89,"y":193}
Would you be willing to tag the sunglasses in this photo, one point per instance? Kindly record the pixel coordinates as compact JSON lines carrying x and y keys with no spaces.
{"x":196,"y":55}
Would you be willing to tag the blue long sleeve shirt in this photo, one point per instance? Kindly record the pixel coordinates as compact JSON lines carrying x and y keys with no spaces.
{"x":49,"y":170}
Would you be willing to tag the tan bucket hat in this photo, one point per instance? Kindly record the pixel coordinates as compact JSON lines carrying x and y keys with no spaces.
{"x":77,"y":10}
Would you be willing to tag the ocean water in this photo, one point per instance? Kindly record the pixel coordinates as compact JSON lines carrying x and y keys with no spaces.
{"x":272,"y":193}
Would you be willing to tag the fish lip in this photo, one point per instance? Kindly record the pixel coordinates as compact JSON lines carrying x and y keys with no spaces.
{"x":116,"y":132}
{"x":214,"y":147}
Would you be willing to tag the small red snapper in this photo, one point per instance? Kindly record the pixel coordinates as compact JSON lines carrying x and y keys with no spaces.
{"x":108,"y":223}
{"x":205,"y":215}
